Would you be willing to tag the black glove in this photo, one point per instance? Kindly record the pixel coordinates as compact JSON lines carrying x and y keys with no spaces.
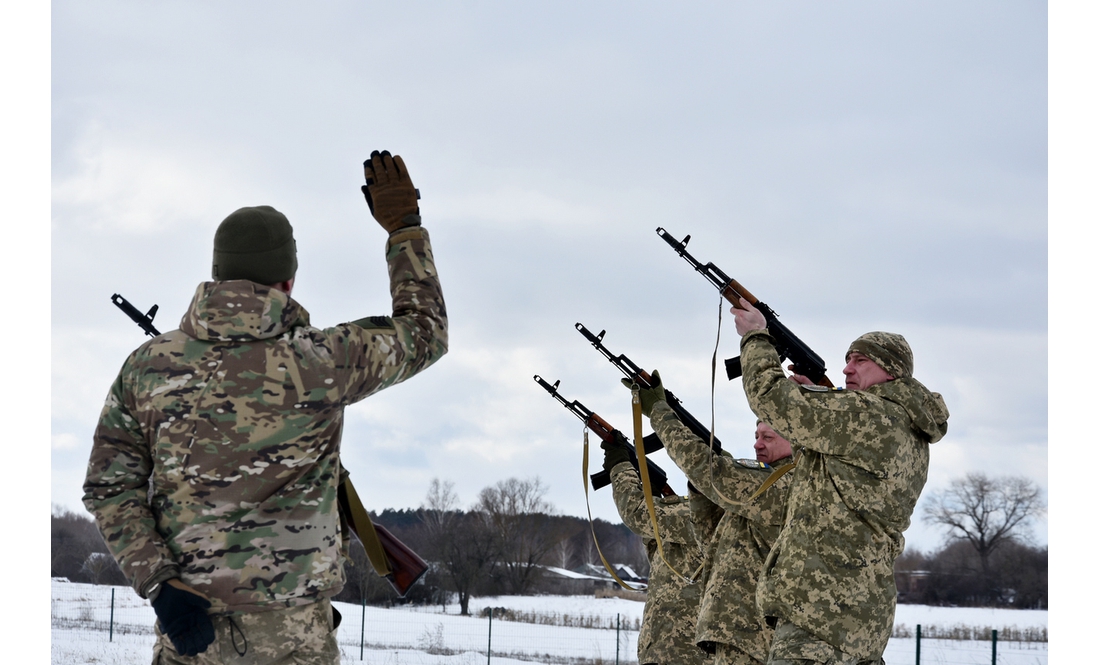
{"x":615,"y":452}
{"x":389,"y":191}
{"x":649,"y":396}
{"x":183,"y":619}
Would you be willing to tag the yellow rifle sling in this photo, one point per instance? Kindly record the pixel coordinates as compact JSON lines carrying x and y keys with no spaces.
{"x":647,"y":489}
{"x":584,"y":477}
{"x":776,"y":475}
{"x":364,"y":528}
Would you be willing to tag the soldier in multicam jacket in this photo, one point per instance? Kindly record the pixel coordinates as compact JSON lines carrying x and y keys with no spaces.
{"x":214,"y":469}
{"x":667,"y":636}
{"x":737,"y":532}
{"x":828,"y":582}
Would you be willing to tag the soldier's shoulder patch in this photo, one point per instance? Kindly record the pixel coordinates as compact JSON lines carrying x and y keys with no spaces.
{"x":822,"y":389}
{"x":751,"y":464}
{"x":372,"y":322}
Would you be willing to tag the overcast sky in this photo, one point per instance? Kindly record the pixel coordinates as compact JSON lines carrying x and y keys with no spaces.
{"x":856,"y":165}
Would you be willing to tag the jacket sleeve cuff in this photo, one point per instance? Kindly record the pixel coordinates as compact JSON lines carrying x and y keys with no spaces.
{"x":162,"y":575}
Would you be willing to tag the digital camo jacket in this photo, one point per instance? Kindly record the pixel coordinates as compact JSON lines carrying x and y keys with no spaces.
{"x":736,"y":546}
{"x":864,"y":464}
{"x":216,"y":457}
{"x":668,"y":620}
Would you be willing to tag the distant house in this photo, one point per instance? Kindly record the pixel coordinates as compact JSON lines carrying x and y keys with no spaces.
{"x":911,"y":583}
{"x":588,"y":578}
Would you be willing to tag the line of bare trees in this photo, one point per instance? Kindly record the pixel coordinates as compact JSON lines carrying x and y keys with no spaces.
{"x":497,"y":546}
{"x":988,"y":557}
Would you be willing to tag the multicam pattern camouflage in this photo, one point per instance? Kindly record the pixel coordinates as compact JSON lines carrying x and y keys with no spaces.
{"x":301,"y":635}
{"x":216,"y":456}
{"x":668,"y":619}
{"x":864,"y":464}
{"x":740,"y":541}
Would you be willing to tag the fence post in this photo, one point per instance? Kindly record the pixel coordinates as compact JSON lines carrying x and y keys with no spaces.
{"x":489,"y":657}
{"x":362,"y":626}
{"x":994,"y":647}
{"x":617,"y":639}
{"x":111,"y":630}
{"x":918,"y":644}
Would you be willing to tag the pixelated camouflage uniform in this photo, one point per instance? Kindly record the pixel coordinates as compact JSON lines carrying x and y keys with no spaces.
{"x":735,"y":547}
{"x":864,"y":464}
{"x":668,"y":619}
{"x":216,"y":457}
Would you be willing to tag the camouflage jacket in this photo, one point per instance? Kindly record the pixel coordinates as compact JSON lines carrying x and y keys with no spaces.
{"x":216,"y":457}
{"x":668,"y":620}
{"x":864,"y":464}
{"x":737,"y":544}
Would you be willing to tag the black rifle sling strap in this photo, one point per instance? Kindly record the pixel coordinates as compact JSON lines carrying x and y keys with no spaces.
{"x":360,"y":523}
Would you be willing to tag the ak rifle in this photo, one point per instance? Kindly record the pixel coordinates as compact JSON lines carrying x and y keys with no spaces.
{"x":394,"y":560}
{"x":644,"y":380}
{"x":143,"y":320}
{"x":787,"y":345}
{"x":658,"y":479}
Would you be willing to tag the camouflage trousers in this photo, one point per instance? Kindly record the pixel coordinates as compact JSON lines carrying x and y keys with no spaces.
{"x":794,"y":646}
{"x":727,"y":654}
{"x":303,"y":635}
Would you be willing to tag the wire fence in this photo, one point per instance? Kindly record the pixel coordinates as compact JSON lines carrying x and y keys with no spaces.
{"x":84,"y":613}
{"x":101,"y":618}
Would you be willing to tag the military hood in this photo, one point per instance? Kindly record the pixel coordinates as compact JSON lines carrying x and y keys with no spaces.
{"x":926,"y":409}
{"x":239,"y":311}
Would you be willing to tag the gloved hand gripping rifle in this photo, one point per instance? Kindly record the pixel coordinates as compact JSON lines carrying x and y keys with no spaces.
{"x":643,"y":379}
{"x":391,"y":558}
{"x":805,"y":361}
{"x":658,"y":479}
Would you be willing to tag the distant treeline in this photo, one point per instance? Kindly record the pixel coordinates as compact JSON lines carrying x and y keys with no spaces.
{"x":953,"y":575}
{"x":501,"y":544}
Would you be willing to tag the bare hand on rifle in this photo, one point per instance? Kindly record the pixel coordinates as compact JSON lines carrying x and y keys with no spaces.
{"x":747,"y":318}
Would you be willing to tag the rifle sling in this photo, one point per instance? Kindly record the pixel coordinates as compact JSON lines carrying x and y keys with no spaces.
{"x":591,"y":525}
{"x":778,"y":473}
{"x":360,"y":522}
{"x":647,"y":489}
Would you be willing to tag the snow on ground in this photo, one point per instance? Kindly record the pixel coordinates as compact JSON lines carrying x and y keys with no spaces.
{"x":82,"y":618}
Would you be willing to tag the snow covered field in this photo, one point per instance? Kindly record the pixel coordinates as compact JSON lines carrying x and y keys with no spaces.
{"x":585,"y":634}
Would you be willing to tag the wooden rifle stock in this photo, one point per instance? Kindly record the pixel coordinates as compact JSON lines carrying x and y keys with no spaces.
{"x":603,"y":429}
{"x":390,"y":558}
{"x":789,"y":346}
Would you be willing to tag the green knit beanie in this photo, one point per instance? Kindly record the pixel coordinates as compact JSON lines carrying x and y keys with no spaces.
{"x":257,"y":244}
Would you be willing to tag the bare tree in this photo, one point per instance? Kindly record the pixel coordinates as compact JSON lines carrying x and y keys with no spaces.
{"x":439,"y":508}
{"x":986,"y":512}
{"x":462,"y":545}
{"x":521,"y":517}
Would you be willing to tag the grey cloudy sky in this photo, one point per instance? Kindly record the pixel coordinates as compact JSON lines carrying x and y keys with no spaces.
{"x":857,"y":165}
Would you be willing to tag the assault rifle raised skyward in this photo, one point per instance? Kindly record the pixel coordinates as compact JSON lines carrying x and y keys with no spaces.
{"x":805,"y":361}
{"x":658,"y":479}
{"x":644,"y":380}
{"x":390,"y":558}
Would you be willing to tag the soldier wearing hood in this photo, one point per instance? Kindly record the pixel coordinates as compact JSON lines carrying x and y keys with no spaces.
{"x":828,"y":583}
{"x":215,"y":464}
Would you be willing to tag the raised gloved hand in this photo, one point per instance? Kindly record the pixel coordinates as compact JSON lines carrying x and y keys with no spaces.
{"x":649,"y":396}
{"x":615,"y":452}
{"x":389,"y":191}
{"x":183,"y":618}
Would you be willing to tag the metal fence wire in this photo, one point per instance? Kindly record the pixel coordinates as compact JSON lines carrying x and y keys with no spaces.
{"x":117,"y":618}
